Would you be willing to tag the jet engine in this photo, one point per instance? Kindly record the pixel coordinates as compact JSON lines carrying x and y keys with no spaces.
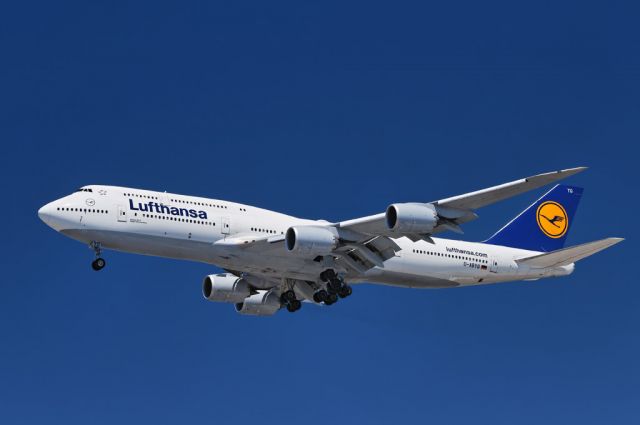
{"x":411,"y":218}
{"x":225,"y":287}
{"x":310,"y":240}
{"x":262,"y":303}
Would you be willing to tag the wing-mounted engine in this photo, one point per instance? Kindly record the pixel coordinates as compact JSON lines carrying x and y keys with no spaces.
{"x":311,"y":240}
{"x":229,"y":288}
{"x":354,"y":250}
{"x":225,"y":287}
{"x":411,"y":218}
{"x":262,"y":303}
{"x":417,"y":221}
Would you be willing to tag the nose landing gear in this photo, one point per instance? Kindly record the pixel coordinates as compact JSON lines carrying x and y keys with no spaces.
{"x":99,"y":263}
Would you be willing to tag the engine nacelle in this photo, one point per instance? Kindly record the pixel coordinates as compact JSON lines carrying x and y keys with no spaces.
{"x":264,"y":303}
{"x":225,"y":287}
{"x":311,"y":240}
{"x":411,"y":218}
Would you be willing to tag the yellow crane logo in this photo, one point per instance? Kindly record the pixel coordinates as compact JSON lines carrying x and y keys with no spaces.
{"x":552,"y":219}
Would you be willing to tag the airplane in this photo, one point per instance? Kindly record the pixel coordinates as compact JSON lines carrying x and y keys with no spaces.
{"x":273,"y":261}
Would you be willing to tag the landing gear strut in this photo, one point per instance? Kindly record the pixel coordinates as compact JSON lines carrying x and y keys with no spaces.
{"x":99,"y":263}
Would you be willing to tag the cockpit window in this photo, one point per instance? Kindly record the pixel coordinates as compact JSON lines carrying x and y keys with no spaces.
{"x":84,"y":189}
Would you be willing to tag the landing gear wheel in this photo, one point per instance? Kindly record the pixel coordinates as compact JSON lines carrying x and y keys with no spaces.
{"x":345,"y":291}
{"x":98,"y":264}
{"x":334,"y":286}
{"x":331,"y":299}
{"x":288,"y":296}
{"x":327,"y":275}
{"x":294,"y":305}
{"x":320,"y":296}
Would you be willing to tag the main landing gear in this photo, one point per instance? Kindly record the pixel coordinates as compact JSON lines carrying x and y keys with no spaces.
{"x":288,"y":298}
{"x":99,"y":263}
{"x":335,"y":288}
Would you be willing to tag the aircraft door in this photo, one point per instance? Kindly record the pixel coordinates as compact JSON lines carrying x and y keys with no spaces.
{"x":163,"y":199}
{"x":122,"y":214}
{"x":225,"y":225}
{"x":493,"y":265}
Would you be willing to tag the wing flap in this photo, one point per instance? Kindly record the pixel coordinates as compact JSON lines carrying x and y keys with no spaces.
{"x":565,"y":256}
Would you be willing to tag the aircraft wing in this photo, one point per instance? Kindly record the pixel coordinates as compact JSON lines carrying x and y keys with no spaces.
{"x":457,"y":210}
{"x":249,"y":241}
{"x":366,"y":242}
{"x":491,"y":195}
{"x":357,"y":252}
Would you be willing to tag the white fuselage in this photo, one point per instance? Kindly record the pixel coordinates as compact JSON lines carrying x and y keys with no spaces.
{"x":195,"y":228}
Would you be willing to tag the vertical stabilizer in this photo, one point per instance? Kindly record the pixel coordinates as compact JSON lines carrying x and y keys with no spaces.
{"x":543,"y":226}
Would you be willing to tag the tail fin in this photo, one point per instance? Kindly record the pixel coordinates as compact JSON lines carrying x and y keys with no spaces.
{"x":543,"y":226}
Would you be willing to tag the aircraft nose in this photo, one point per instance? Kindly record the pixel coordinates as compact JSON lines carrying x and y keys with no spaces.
{"x":42,"y":212}
{"x":46,"y":214}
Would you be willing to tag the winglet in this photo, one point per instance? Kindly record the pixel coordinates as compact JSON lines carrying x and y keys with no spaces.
{"x":556,"y":175}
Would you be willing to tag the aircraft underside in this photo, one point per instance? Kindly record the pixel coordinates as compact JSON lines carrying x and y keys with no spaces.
{"x":268,"y":271}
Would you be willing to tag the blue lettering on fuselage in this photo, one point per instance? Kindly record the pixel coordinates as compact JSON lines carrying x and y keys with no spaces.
{"x":163,"y":209}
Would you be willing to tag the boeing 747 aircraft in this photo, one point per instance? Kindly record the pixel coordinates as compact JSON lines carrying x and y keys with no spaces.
{"x":272,"y":260}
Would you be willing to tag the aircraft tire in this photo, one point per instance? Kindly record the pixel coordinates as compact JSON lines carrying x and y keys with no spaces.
{"x":98,"y":264}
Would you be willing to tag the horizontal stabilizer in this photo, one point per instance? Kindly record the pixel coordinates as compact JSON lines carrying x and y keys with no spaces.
{"x":563,"y":257}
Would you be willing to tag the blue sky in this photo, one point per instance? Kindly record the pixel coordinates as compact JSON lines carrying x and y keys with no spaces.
{"x":323,"y":110}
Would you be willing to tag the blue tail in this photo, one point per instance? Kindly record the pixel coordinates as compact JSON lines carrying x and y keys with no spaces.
{"x":543,"y":226}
